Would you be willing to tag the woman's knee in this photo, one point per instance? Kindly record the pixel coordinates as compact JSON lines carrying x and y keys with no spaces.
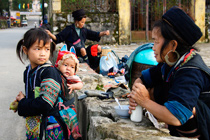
{"x":99,"y":48}
{"x":83,"y":51}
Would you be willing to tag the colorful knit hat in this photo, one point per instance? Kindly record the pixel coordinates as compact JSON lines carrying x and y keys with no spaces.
{"x":64,"y":54}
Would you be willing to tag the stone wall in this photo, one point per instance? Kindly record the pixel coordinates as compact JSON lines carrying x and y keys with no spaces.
{"x":115,"y":16}
{"x":99,"y":121}
{"x":96,"y":22}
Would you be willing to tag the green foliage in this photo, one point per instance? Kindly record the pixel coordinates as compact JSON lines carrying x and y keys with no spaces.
{"x":106,"y":19}
{"x":99,"y":87}
{"x":207,"y":16}
{"x":15,"y":4}
{"x":72,"y":5}
{"x":3,"y":24}
{"x":4,"y":6}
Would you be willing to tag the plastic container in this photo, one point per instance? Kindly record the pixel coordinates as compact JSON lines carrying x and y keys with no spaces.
{"x":146,"y":57}
{"x":137,"y":114}
{"x":123,"y":113}
{"x":143,"y":60}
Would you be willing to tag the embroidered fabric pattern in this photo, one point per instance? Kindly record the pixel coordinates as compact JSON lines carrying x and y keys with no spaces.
{"x":77,"y":42}
{"x":183,"y":60}
{"x":54,"y":132}
{"x":69,"y":117}
{"x":188,"y":57}
{"x":32,"y":127}
{"x":50,"y":90}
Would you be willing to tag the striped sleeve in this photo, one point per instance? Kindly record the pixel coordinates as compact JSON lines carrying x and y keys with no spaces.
{"x":50,"y":90}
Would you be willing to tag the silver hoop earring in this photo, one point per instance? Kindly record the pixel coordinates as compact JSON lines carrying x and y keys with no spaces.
{"x":167,"y":58}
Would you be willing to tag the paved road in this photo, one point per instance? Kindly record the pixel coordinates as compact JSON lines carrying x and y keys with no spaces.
{"x":11,"y":70}
{"x":204,"y":52}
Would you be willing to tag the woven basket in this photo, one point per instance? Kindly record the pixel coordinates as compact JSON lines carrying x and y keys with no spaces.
{"x":105,"y":51}
{"x":136,"y":70}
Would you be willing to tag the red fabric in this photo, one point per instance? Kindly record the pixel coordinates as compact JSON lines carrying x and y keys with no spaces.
{"x":60,"y":56}
{"x":185,"y":58}
{"x":94,"y":50}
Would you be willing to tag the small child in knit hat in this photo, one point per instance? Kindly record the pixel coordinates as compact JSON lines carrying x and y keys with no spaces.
{"x":68,"y":64}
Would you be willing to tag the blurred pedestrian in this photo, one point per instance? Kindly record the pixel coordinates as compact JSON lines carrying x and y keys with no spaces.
{"x":46,"y":25}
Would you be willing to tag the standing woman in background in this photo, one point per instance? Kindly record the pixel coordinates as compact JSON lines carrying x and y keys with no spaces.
{"x":76,"y":35}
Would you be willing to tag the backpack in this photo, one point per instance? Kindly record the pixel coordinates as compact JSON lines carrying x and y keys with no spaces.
{"x":62,"y":112}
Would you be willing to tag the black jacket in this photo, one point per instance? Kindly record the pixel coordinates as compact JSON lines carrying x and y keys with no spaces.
{"x":71,"y":38}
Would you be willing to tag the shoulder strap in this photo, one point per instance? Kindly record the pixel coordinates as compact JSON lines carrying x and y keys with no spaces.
{"x":64,"y":88}
{"x":45,"y":66}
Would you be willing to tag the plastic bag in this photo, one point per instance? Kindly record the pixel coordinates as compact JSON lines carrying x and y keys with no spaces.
{"x":107,"y":62}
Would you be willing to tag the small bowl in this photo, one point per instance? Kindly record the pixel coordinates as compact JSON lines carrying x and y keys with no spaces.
{"x":123,"y":113}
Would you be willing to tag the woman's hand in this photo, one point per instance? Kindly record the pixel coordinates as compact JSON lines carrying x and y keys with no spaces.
{"x":51,"y":35}
{"x":104,"y":33}
{"x":140,"y":94}
{"x":132,"y":104}
{"x":48,"y":32}
{"x":20,"y":96}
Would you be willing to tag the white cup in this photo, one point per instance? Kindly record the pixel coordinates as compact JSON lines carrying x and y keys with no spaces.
{"x":137,"y":114}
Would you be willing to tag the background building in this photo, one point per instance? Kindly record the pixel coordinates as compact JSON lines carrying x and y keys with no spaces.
{"x":128,"y":20}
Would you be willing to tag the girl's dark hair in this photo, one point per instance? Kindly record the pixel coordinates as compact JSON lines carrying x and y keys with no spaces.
{"x":79,"y":18}
{"x":30,"y":37}
{"x":168,"y":33}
